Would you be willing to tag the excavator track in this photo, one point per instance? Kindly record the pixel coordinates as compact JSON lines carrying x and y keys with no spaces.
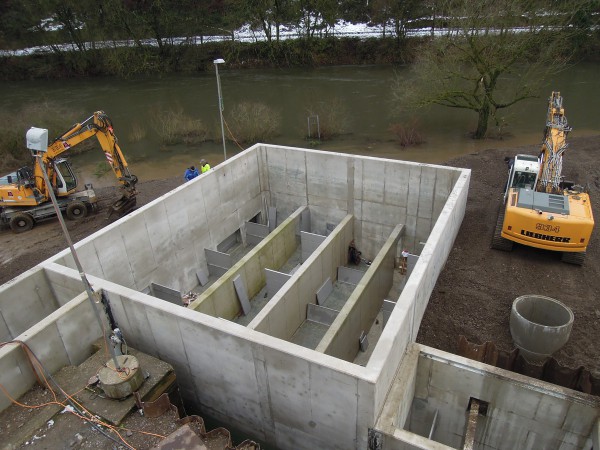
{"x":498,"y":242}
{"x":573,"y":258}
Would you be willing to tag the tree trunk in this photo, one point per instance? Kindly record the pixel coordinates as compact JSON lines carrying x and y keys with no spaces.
{"x":482,"y":123}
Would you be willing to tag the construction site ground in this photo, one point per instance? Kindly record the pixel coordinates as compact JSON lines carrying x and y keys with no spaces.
{"x":475,"y":291}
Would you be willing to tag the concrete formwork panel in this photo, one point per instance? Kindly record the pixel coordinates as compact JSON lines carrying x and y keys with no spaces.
{"x":373,"y":186}
{"x":427,"y":189}
{"x":25,"y":301}
{"x":141,"y":258}
{"x":64,"y":288}
{"x":397,"y":177}
{"x":112,"y":255}
{"x":62,"y":338}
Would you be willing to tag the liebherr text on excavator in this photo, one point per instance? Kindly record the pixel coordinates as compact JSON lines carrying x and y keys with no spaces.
{"x":25,"y":198}
{"x":541,"y":209}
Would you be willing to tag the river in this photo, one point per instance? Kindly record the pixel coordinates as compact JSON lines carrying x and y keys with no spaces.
{"x":361,"y":94}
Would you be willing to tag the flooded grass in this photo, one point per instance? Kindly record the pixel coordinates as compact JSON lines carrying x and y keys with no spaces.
{"x":136,"y":133}
{"x":15,"y":123}
{"x":333,"y":118}
{"x":176,"y":127}
{"x":252,"y":122}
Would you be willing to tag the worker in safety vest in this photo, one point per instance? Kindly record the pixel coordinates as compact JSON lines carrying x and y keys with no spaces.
{"x":204,"y":166}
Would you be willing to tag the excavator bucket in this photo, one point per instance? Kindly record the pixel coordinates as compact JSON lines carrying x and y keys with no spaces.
{"x":122,"y":206}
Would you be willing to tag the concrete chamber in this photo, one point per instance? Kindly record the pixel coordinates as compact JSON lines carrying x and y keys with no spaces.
{"x":539,"y":325}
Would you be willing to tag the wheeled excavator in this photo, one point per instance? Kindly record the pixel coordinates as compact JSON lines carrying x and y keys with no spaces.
{"x":540,"y":208}
{"x":25,"y":199}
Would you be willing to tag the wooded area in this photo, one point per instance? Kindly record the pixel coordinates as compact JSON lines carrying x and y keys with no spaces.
{"x":86,"y":23}
{"x":461,"y":51}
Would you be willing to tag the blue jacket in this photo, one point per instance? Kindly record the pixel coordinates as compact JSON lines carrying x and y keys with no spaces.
{"x":190,"y":174}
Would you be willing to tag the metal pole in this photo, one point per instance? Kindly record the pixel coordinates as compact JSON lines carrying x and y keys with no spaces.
{"x":86,"y":283}
{"x":221,"y":110}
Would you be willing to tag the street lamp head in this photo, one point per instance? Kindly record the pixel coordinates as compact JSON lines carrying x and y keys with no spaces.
{"x":219,"y":61}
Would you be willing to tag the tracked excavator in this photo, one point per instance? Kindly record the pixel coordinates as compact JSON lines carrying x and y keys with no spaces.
{"x":25,"y":197}
{"x":540,"y":208}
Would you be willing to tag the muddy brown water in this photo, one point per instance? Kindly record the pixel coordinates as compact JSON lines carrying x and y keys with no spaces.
{"x":360,"y":95}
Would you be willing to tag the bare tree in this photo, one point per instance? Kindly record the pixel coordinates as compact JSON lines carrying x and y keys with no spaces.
{"x":495,"y":54}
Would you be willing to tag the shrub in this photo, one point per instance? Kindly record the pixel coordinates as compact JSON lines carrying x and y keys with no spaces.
{"x":333,"y":118}
{"x":252,"y":122}
{"x":136,"y":133}
{"x":14,"y":125}
{"x":407,"y":134}
{"x":175,"y":127}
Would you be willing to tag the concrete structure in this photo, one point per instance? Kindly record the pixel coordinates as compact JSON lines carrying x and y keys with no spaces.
{"x":296,"y":374}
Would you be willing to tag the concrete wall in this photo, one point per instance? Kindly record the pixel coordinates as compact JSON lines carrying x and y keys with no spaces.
{"x":280,"y":393}
{"x":359,"y":312}
{"x":30,"y":297}
{"x":62,"y":338}
{"x":220,"y":299}
{"x":520,"y":414}
{"x":379,"y":193}
{"x":403,"y":324}
{"x":286,"y":311}
{"x":164,"y":242}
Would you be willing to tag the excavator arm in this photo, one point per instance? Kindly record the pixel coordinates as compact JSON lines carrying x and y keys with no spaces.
{"x":553,"y":147}
{"x":100,"y":126}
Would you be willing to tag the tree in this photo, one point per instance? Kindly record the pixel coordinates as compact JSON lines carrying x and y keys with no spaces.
{"x":490,"y":58}
{"x":269,"y":15}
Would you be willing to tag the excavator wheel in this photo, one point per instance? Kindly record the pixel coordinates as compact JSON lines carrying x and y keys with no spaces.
{"x":498,"y":242}
{"x":76,"y":210}
{"x":21,"y":222}
{"x":573,"y":258}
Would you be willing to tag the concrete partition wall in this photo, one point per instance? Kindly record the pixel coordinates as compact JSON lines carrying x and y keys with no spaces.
{"x":403,"y":324}
{"x":62,"y":338}
{"x":220,"y":299}
{"x":359,"y":312}
{"x":286,"y":311}
{"x":24,"y":301}
{"x":163,"y":242}
{"x":286,"y":397}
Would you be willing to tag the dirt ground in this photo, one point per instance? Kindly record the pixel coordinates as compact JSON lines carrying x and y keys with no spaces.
{"x":475,"y":291}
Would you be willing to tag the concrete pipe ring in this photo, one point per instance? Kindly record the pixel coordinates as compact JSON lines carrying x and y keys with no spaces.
{"x":539,"y":326}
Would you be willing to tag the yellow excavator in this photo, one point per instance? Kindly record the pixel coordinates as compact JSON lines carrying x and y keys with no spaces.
{"x":25,"y":197}
{"x":541,"y":209}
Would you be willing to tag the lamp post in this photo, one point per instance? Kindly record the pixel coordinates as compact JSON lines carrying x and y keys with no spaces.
{"x":216,"y":63}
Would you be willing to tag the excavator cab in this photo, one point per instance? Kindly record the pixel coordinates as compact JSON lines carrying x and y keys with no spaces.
{"x":66,"y":181}
{"x":523,"y":171}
